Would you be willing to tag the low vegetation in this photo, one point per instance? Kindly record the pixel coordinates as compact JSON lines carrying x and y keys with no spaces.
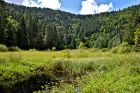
{"x":123,"y":48}
{"x":81,"y":70}
{"x":3,"y":48}
{"x":114,"y":75}
{"x":13,"y":48}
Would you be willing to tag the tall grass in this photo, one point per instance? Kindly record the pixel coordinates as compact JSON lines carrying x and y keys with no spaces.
{"x":81,"y":68}
{"x":123,"y":48}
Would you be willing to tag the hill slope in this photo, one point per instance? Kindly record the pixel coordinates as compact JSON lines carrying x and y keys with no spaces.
{"x":45,"y":28}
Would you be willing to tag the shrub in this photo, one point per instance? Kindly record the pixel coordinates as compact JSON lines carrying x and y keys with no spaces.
{"x":125,"y":48}
{"x":122,"y":48}
{"x":136,"y":48}
{"x":81,"y":45}
{"x":32,"y":50}
{"x":3,"y":48}
{"x":53,"y":48}
{"x":114,"y":50}
{"x":14,"y":48}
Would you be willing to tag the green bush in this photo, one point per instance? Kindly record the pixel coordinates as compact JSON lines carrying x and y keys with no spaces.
{"x":32,"y":50}
{"x":136,"y":48}
{"x":122,"y":48}
{"x":125,"y":48}
{"x":53,"y":48}
{"x":114,"y":50}
{"x":81,"y":45}
{"x":3,"y":48}
{"x":14,"y":48}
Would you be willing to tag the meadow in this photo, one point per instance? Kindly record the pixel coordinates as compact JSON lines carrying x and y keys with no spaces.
{"x":70,"y":71}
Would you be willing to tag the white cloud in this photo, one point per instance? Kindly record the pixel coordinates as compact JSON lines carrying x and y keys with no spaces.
{"x":53,"y":4}
{"x":30,"y":3}
{"x":91,"y":7}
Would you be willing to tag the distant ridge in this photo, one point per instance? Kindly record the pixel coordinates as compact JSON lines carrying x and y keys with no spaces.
{"x":43,"y":28}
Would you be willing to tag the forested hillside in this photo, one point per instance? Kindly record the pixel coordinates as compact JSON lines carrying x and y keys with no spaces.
{"x":43,"y":28}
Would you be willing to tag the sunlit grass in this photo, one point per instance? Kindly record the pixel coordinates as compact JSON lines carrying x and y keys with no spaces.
{"x":84,"y":63}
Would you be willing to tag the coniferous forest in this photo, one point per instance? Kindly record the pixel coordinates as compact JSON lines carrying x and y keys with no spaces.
{"x":41,"y":28}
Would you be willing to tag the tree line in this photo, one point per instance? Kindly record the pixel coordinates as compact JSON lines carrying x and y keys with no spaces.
{"x":43,"y":28}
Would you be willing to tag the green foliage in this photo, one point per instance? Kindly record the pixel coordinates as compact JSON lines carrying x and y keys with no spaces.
{"x":114,"y":50}
{"x":114,"y":81}
{"x":137,"y":36}
{"x":32,"y":50}
{"x":115,"y":41}
{"x":11,"y":30}
{"x":12,"y":22}
{"x":116,"y":75}
{"x":122,"y":48}
{"x":51,"y":36}
{"x":33,"y":28}
{"x":81,"y":45}
{"x":53,"y":48}
{"x":13,"y":48}
{"x":3,"y":48}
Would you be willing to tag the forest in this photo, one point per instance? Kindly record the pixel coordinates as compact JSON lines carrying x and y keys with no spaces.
{"x":41,"y":28}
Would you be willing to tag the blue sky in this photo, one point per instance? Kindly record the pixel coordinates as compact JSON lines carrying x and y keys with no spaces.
{"x":79,"y":6}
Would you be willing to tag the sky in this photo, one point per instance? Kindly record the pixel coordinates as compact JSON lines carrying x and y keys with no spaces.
{"x":83,"y":7}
